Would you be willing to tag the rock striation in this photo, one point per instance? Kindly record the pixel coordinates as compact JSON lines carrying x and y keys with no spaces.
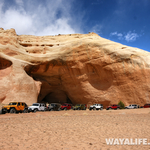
{"x":76,"y":68}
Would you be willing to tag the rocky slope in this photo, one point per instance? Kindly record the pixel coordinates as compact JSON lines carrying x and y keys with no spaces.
{"x":77,"y":68}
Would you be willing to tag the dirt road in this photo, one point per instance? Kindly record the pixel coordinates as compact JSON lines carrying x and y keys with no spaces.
{"x":73,"y":130}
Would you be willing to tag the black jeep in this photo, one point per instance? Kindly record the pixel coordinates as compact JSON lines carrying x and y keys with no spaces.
{"x":54,"y":106}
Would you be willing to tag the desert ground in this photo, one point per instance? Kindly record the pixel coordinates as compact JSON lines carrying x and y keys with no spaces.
{"x":73,"y":130}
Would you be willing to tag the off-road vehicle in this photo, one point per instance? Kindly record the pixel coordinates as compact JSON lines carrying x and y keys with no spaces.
{"x":132,"y":106}
{"x":146,"y":106}
{"x":15,"y":107}
{"x":66,"y":106}
{"x":37,"y":107}
{"x":96,"y":107}
{"x":80,"y":107}
{"x":113,"y":107}
{"x":54,"y":106}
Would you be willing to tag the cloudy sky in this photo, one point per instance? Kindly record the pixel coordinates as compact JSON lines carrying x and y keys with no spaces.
{"x":123,"y":21}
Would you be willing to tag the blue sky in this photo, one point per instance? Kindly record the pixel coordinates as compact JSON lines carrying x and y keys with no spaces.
{"x":123,"y":21}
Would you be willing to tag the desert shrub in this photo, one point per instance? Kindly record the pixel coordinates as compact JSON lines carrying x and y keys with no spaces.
{"x":121,"y":104}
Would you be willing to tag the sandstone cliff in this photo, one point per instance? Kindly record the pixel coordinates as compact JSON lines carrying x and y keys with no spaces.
{"x":77,"y":68}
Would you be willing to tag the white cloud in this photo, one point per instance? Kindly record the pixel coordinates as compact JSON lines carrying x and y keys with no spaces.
{"x":97,"y":29}
{"x":129,"y":37}
{"x":13,"y":19}
{"x":60,"y":26}
{"x":113,"y":33}
{"x":39,"y":17}
{"x":19,"y":2}
{"x":119,"y":35}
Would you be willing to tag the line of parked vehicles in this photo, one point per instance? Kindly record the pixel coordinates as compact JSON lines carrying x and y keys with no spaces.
{"x":21,"y":107}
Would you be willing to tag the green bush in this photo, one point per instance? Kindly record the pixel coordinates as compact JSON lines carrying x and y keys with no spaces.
{"x":121,"y":104}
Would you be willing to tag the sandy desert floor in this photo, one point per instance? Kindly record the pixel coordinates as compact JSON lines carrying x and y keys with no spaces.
{"x":73,"y":130}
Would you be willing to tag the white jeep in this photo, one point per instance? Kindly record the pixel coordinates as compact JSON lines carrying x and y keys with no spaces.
{"x":96,"y":107}
{"x":132,"y":106}
{"x":37,"y":107}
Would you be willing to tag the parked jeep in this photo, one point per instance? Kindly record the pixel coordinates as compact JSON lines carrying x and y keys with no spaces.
{"x":96,"y":107}
{"x":37,"y":107}
{"x":132,"y":106}
{"x":54,"y":106}
{"x":80,"y":107}
{"x":113,"y":107}
{"x":146,"y":106}
{"x":66,"y":106}
{"x":15,"y":107}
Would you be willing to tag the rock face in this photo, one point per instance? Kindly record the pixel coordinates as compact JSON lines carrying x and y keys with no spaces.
{"x":77,"y":68}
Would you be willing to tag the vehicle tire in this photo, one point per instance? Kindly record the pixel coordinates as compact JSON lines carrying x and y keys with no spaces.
{"x":35,"y":110}
{"x":30,"y":110}
{"x":1,"y":111}
{"x":45,"y":109}
{"x":25,"y":111}
{"x":13,"y":111}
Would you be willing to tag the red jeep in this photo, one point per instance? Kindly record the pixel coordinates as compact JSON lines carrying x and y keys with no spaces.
{"x":66,"y":106}
{"x":113,"y":107}
{"x":146,"y":106}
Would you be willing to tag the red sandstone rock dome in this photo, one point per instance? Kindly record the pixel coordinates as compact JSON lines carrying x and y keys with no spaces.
{"x":77,"y":68}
